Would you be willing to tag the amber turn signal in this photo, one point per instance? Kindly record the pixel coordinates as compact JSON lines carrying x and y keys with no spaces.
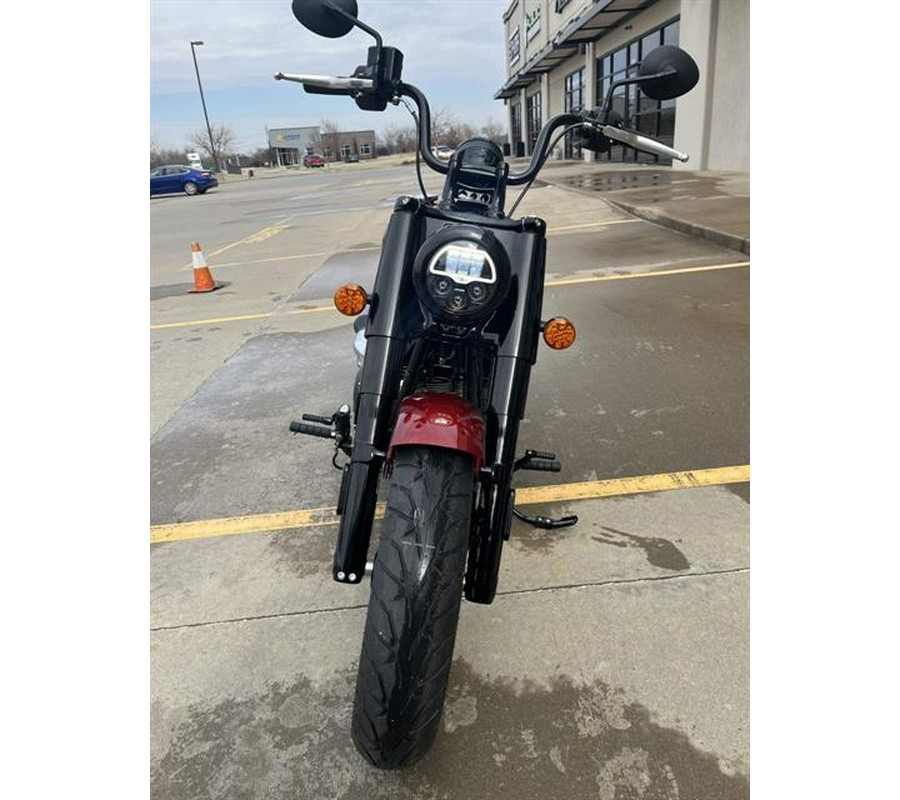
{"x":559,"y":333}
{"x":350,"y":299}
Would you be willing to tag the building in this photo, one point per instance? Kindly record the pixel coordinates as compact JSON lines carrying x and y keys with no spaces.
{"x":562,"y":55}
{"x":346,"y":145}
{"x":291,"y":144}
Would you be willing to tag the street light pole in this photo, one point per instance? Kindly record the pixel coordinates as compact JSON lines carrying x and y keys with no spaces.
{"x":212,"y":146}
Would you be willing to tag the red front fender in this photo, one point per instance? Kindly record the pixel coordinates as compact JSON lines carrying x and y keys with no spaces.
{"x":440,"y":420}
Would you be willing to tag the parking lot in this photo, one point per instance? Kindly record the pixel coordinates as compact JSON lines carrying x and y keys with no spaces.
{"x":614,"y":662}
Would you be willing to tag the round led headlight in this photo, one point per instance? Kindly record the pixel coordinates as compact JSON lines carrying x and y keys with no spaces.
{"x":461,"y":274}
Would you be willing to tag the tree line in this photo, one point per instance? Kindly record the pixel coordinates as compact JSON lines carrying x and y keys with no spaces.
{"x":446,"y":130}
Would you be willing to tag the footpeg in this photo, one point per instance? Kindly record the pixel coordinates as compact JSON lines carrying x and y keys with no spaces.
{"x":538,"y":461}
{"x":544,"y":462}
{"x":547,"y":523}
{"x":336,"y":427}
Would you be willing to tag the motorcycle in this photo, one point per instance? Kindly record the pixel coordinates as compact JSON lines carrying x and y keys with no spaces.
{"x":444,"y":351}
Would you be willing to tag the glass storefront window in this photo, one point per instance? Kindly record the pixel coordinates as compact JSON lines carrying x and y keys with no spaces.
{"x":516,"y":128}
{"x":651,"y":117}
{"x":670,"y":34}
{"x":634,"y":53}
{"x":533,"y":104}
{"x":650,"y":42}
{"x":574,"y":98}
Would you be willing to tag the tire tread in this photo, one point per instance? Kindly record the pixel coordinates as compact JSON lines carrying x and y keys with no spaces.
{"x":411,"y":623}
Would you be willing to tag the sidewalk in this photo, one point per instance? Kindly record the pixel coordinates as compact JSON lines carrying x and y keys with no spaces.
{"x":710,"y":204}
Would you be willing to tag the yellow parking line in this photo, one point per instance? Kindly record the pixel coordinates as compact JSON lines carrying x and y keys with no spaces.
{"x":654,"y":274}
{"x":565,"y":282}
{"x":531,"y":495}
{"x":219,"y":320}
{"x":557,"y":229}
{"x":260,"y":235}
{"x":297,"y":257}
{"x":616,"y":487}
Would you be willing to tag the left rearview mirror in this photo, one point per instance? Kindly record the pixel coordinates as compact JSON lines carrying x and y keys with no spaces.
{"x":324,"y":17}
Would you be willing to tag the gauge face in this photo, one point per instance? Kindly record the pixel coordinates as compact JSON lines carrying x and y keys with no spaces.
{"x":463,"y":262}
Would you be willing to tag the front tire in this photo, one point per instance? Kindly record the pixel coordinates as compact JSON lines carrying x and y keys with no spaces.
{"x":414,"y":606}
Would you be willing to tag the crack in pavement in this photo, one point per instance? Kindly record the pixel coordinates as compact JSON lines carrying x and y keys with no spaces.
{"x":511,"y":593}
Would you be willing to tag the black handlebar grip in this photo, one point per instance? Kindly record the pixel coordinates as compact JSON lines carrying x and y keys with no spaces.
{"x":541,"y":454}
{"x":310,"y":430}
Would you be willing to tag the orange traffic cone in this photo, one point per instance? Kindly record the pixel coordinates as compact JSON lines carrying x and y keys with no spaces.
{"x":203,"y":280}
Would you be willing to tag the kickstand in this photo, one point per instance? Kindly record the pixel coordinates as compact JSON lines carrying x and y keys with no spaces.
{"x":546,"y":523}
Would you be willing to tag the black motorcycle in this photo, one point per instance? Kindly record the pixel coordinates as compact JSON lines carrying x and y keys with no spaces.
{"x":445,"y":351}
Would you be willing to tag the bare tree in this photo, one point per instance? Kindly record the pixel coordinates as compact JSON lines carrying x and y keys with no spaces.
{"x":329,"y":135}
{"x":494,"y":131}
{"x":165,"y":155}
{"x":397,"y":139}
{"x":223,"y":137}
{"x":447,"y":129}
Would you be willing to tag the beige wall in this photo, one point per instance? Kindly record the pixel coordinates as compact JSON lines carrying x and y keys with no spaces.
{"x":729,"y":131}
{"x":713,"y":120}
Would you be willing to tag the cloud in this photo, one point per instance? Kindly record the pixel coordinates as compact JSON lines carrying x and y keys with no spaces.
{"x":453,"y":50}
{"x":246,"y":41}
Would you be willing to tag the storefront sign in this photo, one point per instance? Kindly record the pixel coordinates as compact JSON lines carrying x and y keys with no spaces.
{"x":532,"y":23}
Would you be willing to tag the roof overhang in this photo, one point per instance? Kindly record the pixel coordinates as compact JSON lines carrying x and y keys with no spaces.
{"x":599,"y":19}
{"x":543,"y":61}
{"x":594,"y":22}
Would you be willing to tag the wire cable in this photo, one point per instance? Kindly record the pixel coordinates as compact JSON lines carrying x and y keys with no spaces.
{"x":418,"y":154}
{"x":541,"y":164}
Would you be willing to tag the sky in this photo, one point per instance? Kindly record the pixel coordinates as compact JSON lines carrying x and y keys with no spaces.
{"x":453,"y":50}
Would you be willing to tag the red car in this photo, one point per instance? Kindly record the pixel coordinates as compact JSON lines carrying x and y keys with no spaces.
{"x":313,"y":160}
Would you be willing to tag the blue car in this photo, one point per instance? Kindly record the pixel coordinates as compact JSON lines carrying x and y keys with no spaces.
{"x":179,"y":178}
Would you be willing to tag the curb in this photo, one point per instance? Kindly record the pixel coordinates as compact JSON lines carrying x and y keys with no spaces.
{"x":730,"y":240}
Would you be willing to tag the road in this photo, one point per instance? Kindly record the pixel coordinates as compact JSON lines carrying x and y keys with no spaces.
{"x":614,"y":662}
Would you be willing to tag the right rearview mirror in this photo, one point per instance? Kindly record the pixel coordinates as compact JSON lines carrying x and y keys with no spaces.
{"x":680,"y":73}
{"x":324,"y":17}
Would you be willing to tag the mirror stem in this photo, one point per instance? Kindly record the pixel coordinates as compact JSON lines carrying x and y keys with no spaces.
{"x":607,"y":103}
{"x":361,"y":25}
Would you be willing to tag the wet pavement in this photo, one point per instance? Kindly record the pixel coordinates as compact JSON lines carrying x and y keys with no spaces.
{"x":710,"y":204}
{"x":614,"y":662}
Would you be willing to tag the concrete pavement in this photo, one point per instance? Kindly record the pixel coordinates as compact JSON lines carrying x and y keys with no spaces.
{"x":709,"y":204}
{"x":614,"y":662}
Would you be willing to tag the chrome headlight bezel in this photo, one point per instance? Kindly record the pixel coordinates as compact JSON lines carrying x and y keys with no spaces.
{"x":462,"y":274}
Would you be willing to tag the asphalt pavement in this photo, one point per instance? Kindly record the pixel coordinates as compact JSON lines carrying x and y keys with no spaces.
{"x":614,"y":662}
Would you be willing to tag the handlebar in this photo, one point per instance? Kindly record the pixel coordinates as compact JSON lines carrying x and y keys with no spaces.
{"x":333,"y":83}
{"x":645,"y":143}
{"x":356,"y":87}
